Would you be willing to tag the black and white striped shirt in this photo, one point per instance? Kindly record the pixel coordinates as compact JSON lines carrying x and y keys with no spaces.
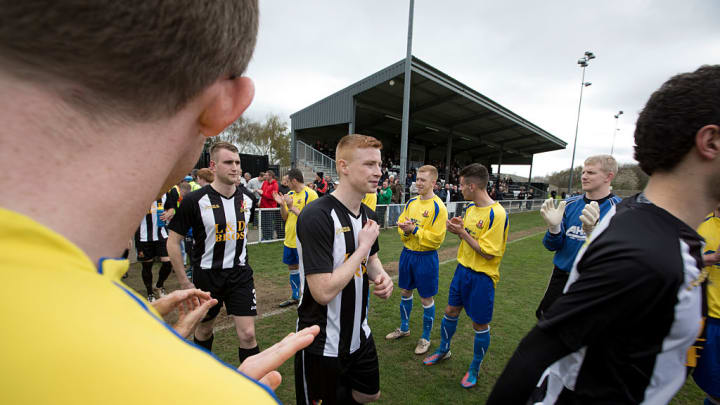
{"x":630,"y":310}
{"x":148,"y":231}
{"x":327,"y":234}
{"x":219,"y":225}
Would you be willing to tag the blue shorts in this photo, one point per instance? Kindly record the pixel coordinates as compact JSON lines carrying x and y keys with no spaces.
{"x":419,"y":270}
{"x":475,"y":292}
{"x":707,"y":372}
{"x":290,"y":256}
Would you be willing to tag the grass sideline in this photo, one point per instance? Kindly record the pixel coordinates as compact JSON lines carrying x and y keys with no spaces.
{"x":524,"y":273}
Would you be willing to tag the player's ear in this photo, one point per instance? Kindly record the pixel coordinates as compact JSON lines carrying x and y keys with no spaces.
{"x":707,"y":141}
{"x":226,"y":100}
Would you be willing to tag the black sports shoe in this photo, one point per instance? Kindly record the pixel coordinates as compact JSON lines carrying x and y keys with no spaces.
{"x":287,"y":303}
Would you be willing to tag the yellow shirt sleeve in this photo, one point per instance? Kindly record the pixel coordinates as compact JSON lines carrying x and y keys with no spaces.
{"x":492,"y":241}
{"x":432,"y":235}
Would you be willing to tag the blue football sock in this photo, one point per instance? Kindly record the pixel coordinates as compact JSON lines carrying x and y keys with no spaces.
{"x":447,"y":329}
{"x":482,"y":342}
{"x":428,"y":319}
{"x":295,"y":283}
{"x":406,"y":304}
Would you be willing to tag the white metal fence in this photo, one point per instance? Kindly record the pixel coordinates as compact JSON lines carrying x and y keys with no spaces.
{"x":268,"y":225}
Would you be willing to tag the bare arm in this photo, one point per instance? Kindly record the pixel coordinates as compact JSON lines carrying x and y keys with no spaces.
{"x":173,"y":248}
{"x":378,"y":275}
{"x":326,"y":286}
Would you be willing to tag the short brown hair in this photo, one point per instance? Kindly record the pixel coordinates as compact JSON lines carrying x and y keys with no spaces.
{"x":295,"y":174}
{"x":221,"y":145}
{"x":432,"y":170}
{"x":206,"y":174}
{"x":355,"y":141}
{"x":607,"y":163}
{"x":140,"y":59}
{"x":476,"y":174}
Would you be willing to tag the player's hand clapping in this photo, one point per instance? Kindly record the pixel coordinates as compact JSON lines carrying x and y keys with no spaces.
{"x":278,"y":197}
{"x":262,"y":365}
{"x":368,"y":234}
{"x":192,"y":306}
{"x":553,"y":216}
{"x":455,"y":225}
{"x":589,"y":217}
{"x":407,"y":226}
{"x":383,"y":286}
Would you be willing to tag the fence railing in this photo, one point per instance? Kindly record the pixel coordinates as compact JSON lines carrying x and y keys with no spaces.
{"x":316,"y":159}
{"x":268,"y":225}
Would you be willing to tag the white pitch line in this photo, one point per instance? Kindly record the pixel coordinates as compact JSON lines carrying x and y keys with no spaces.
{"x":283,"y":310}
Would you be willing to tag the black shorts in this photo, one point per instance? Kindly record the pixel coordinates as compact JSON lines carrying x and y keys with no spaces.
{"x":554,"y":290}
{"x":330,"y":379}
{"x":150,"y":250}
{"x":233,"y":287}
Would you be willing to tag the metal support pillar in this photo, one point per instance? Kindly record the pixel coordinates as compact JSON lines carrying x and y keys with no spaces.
{"x":530,"y":175}
{"x":293,"y":147}
{"x":448,"y":157}
{"x":500,"y":162}
{"x":406,"y":103}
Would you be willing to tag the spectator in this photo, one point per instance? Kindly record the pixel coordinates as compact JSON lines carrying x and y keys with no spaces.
{"x":385,"y":195}
{"x":397,"y":190}
{"x":321,"y":185}
{"x":284,"y":186}
{"x":331,"y":185}
{"x":255,"y":184}
{"x":269,"y":218}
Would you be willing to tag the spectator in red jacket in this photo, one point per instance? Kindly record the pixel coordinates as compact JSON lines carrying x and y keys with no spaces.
{"x":269,"y":218}
{"x":321,"y":185}
{"x":269,"y":186}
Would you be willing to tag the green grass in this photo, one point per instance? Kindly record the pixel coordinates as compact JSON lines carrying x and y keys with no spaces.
{"x":524,"y":273}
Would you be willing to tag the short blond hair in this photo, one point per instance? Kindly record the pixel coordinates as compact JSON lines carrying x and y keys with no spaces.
{"x":221,"y":145}
{"x":348,"y":143}
{"x":432,"y":170}
{"x":607,"y":163}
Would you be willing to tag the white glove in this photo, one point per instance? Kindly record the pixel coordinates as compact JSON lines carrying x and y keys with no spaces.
{"x":589,"y":217}
{"x":553,"y":216}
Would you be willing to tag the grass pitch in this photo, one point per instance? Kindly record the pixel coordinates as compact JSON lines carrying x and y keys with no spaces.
{"x":524,"y":273}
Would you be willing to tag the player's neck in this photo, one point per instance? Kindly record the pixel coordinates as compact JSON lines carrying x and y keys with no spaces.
{"x":299,"y":188}
{"x":100,"y":211}
{"x":427,"y":195}
{"x":349,"y":197}
{"x":597,"y":194}
{"x":224,"y":189}
{"x":482,"y":199}
{"x":687,"y":199}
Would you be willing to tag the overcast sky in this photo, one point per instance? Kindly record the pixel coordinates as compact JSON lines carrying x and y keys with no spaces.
{"x":522,"y":54}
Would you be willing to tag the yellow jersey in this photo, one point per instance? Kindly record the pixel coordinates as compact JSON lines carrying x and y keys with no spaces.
{"x":84,"y":337}
{"x":370,"y":200}
{"x":489,"y":226}
{"x":710,"y":230}
{"x":300,"y":200}
{"x":430,"y":217}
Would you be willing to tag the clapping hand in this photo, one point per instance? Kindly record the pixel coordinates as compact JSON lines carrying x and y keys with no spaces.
{"x":553,"y":216}
{"x":192,"y":306}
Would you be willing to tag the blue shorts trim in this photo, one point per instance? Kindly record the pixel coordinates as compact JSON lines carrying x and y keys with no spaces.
{"x":707,"y":372}
{"x":475,"y":292}
{"x":419,"y":270}
{"x":290,"y":256}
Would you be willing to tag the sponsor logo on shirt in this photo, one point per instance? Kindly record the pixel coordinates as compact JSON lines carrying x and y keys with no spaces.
{"x":230,"y":232}
{"x":426,"y":214}
{"x":576,"y":232}
{"x":342,"y":230}
{"x":210,"y":207}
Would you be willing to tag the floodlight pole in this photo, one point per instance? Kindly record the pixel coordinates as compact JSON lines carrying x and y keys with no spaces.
{"x":583,"y":62}
{"x":617,"y":117}
{"x":406,"y":105}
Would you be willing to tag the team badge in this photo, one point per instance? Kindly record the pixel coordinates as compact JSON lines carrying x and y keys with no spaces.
{"x":479,"y":224}
{"x":426,"y":214}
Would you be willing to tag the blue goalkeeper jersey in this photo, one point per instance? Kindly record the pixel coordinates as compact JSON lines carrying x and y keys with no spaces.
{"x":568,"y":242}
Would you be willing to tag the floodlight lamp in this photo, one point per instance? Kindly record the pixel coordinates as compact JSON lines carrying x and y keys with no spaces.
{"x":589,"y":55}
{"x":620,"y":112}
{"x":587,"y":84}
{"x":582,"y":62}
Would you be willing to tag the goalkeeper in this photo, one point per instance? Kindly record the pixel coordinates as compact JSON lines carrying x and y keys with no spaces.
{"x":572,"y":221}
